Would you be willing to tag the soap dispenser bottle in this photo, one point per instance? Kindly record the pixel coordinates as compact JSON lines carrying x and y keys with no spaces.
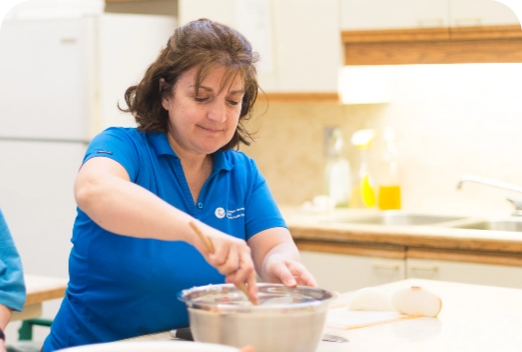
{"x":389,"y":175}
{"x":363,"y":194}
{"x":337,"y":171}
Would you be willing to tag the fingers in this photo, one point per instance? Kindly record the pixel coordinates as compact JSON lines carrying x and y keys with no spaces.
{"x":306,"y":279}
{"x":232,"y":258}
{"x":226,"y":259}
{"x":291,"y":273}
{"x":283,"y":273}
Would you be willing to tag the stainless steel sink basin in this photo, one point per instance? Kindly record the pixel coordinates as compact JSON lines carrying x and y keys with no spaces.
{"x":494,"y":225}
{"x":398,"y":219}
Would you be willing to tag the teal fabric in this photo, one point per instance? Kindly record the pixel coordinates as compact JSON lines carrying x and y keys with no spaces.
{"x":12,"y":286}
{"x":121,"y":286}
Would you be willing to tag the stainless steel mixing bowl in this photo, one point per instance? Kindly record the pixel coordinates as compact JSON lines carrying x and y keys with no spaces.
{"x":287,"y":319}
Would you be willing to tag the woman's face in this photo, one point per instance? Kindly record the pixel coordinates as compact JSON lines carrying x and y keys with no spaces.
{"x":204,"y":121}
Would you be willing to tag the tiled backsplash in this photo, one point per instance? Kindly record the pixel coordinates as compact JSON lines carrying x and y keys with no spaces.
{"x":449,"y":120}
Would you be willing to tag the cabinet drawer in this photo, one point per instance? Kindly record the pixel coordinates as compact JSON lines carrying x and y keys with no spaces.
{"x":343,"y":273}
{"x":471,"y":273}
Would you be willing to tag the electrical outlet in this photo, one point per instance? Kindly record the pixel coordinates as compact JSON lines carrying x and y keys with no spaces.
{"x":328,"y":140}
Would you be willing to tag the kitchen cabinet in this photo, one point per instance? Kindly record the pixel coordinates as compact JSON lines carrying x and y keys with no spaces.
{"x":304,"y":41}
{"x":402,"y":14}
{"x":385,"y":14}
{"x":342,"y":272}
{"x":472,"y":31}
{"x":346,"y":267}
{"x":473,"y":267}
{"x":471,"y":273}
{"x":480,"y":13}
{"x":351,"y":266}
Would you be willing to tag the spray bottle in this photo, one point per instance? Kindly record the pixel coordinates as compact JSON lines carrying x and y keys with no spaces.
{"x":363,"y":194}
{"x":337,"y":172}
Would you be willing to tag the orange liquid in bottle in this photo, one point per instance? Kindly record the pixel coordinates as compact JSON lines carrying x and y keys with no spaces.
{"x":389,"y":197}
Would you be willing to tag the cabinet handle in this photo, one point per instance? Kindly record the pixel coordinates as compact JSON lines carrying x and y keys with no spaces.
{"x":431,"y":22}
{"x":468,"y":21}
{"x":386,"y":266}
{"x":424,"y":267}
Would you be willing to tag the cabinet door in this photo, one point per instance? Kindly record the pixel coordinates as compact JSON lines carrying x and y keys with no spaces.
{"x":305,"y":41}
{"x":471,"y":273}
{"x":480,"y":13}
{"x":307,"y":46}
{"x":342,"y":272}
{"x":386,"y":14}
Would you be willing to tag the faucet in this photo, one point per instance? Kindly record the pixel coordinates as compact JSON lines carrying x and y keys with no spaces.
{"x":507,"y":186}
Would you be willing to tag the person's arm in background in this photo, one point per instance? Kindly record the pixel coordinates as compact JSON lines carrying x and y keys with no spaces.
{"x":12,"y":287}
{"x":5,"y":315}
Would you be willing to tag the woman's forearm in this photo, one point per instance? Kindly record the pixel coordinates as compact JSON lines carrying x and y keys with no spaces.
{"x":125,"y":208}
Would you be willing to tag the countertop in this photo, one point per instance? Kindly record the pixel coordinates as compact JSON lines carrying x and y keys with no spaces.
{"x":473,"y":318}
{"x":323,"y":228}
{"x":39,"y":289}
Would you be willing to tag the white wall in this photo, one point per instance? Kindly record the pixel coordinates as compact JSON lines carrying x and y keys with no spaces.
{"x":453,"y":120}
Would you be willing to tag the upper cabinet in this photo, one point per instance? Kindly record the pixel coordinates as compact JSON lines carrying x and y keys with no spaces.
{"x":386,"y":14}
{"x":471,"y":31}
{"x":402,"y":14}
{"x":469,"y":13}
{"x":299,"y":42}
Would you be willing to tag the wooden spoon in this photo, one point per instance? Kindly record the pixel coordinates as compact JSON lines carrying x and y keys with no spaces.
{"x":242,"y":286}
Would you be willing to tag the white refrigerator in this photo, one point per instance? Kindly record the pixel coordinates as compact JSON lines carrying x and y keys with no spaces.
{"x":60,"y":81}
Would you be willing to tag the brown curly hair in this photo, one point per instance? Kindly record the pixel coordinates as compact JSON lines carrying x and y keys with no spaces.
{"x":201,"y":43}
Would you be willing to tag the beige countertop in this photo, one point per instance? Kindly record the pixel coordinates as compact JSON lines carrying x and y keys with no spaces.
{"x":310,"y":230}
{"x":473,"y":318}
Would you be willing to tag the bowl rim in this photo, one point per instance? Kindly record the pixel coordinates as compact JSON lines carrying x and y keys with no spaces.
{"x":330,"y":296}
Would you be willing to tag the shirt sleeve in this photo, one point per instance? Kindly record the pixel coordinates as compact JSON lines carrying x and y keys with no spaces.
{"x":261,"y":209}
{"x":116,"y":144}
{"x":12,"y":286}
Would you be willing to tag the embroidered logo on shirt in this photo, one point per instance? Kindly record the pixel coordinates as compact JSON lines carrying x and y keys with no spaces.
{"x":237,"y":213}
{"x":220,"y":213}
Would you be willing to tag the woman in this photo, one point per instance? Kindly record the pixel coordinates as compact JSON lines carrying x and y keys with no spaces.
{"x":139,"y":189}
{"x":12,"y":286}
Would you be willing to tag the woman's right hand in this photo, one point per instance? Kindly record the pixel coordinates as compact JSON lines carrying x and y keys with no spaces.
{"x":231,"y":257}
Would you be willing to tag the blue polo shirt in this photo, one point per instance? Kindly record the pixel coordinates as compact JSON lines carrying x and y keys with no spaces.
{"x":121,"y":286}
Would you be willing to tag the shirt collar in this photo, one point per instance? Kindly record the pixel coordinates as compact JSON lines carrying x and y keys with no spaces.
{"x":161,"y":146}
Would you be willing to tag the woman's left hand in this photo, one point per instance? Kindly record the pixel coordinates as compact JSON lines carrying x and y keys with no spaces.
{"x":280,"y":269}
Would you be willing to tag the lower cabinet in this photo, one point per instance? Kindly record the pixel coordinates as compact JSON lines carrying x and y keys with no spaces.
{"x":347,"y":272}
{"x":346,"y":267}
{"x":471,"y":273}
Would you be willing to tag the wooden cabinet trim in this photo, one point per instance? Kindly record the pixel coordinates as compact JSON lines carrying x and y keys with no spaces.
{"x":450,"y":52}
{"x":300,"y":97}
{"x":366,"y":250}
{"x":465,"y":256}
{"x":487,"y":44}
{"x":432,"y":34}
{"x":395,"y":35}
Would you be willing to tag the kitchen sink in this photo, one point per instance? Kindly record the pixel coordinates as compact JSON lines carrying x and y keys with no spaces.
{"x":398,"y":219}
{"x":494,"y":225}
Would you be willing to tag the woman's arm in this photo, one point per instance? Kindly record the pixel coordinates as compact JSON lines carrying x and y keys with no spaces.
{"x":277,"y":259}
{"x":104,"y":192}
